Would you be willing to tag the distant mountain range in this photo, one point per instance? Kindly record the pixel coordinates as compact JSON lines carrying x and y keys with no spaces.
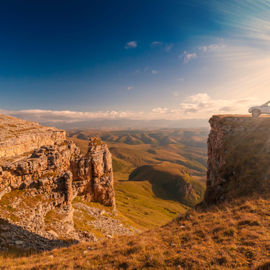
{"x":130,"y":124}
{"x":64,"y":122}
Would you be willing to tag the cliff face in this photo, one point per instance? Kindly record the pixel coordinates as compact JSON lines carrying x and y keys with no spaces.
{"x":60,"y":172}
{"x":19,"y":136}
{"x":41,"y":172}
{"x":93,"y":173}
{"x":238,"y":157}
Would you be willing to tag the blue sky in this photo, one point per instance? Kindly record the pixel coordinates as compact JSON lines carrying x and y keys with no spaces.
{"x":138,"y":59}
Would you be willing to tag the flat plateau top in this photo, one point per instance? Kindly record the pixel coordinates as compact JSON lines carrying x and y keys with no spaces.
{"x":240,"y":121}
{"x":240,"y":116}
{"x":14,"y":127}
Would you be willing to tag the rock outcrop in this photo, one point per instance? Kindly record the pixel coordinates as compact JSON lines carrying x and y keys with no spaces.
{"x":60,"y":172}
{"x":93,"y":173}
{"x":238,"y":157}
{"x":19,"y":136}
{"x":41,"y":172}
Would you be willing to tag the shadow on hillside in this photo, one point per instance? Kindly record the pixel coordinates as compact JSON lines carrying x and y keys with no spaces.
{"x":16,"y":241}
{"x":166,"y":185}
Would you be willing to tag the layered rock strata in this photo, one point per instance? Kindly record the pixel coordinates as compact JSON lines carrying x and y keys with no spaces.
{"x":41,"y":172}
{"x":60,"y":172}
{"x":19,"y":136}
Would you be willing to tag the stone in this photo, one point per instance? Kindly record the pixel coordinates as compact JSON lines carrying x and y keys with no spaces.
{"x":93,"y":173}
{"x":238,"y":155}
{"x":45,"y":171}
{"x":53,"y":233}
{"x":68,"y":187}
{"x":19,"y":136}
{"x":61,"y":171}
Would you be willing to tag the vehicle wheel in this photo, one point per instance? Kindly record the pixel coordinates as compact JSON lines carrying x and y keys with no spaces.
{"x":256,"y":113}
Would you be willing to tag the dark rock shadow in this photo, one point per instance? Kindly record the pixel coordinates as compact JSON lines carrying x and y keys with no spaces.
{"x":18,"y":241}
{"x":265,"y":266}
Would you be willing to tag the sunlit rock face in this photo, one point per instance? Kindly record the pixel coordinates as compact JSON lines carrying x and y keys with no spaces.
{"x":41,"y":173}
{"x":93,"y":173}
{"x":238,"y":157}
{"x":57,"y":168}
{"x":19,"y":136}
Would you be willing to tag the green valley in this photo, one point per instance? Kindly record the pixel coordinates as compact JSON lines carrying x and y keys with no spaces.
{"x":158,"y":173}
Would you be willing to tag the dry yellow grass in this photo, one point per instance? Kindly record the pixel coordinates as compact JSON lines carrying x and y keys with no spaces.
{"x":233,"y":235}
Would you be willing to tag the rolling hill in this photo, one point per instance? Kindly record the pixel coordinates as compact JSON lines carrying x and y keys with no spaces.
{"x":165,"y":167}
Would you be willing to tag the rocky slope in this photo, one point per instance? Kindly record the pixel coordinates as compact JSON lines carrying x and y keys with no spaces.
{"x":238,"y":157}
{"x":229,"y":236}
{"x":38,"y":187}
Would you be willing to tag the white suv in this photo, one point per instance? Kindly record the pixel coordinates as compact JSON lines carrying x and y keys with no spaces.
{"x":257,"y":110}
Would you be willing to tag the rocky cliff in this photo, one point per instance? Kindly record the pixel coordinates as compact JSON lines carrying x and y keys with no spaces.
{"x":60,"y":172}
{"x":19,"y":136}
{"x":238,"y":157}
{"x":41,"y":173}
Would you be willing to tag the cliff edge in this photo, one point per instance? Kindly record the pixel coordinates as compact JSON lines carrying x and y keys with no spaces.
{"x":47,"y":187}
{"x":19,"y":136}
{"x":238,"y":157}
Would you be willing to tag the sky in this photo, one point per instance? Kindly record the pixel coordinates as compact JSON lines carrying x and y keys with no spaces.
{"x":77,"y":60}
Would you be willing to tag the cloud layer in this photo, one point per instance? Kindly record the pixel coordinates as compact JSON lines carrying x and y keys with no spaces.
{"x":198,"y":106}
{"x":188,"y":56}
{"x":131,"y":45}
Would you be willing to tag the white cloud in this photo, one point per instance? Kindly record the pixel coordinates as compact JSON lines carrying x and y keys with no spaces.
{"x":188,"y":56}
{"x":198,"y":106}
{"x":202,"y":105}
{"x":154,"y":72}
{"x":156,"y":44}
{"x":42,"y":116}
{"x":130,"y":88}
{"x":211,"y":47}
{"x":160,"y":110}
{"x":131,"y":45}
{"x":168,"y":47}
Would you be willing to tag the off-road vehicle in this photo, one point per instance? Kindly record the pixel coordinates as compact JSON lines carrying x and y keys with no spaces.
{"x":258,"y":110}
